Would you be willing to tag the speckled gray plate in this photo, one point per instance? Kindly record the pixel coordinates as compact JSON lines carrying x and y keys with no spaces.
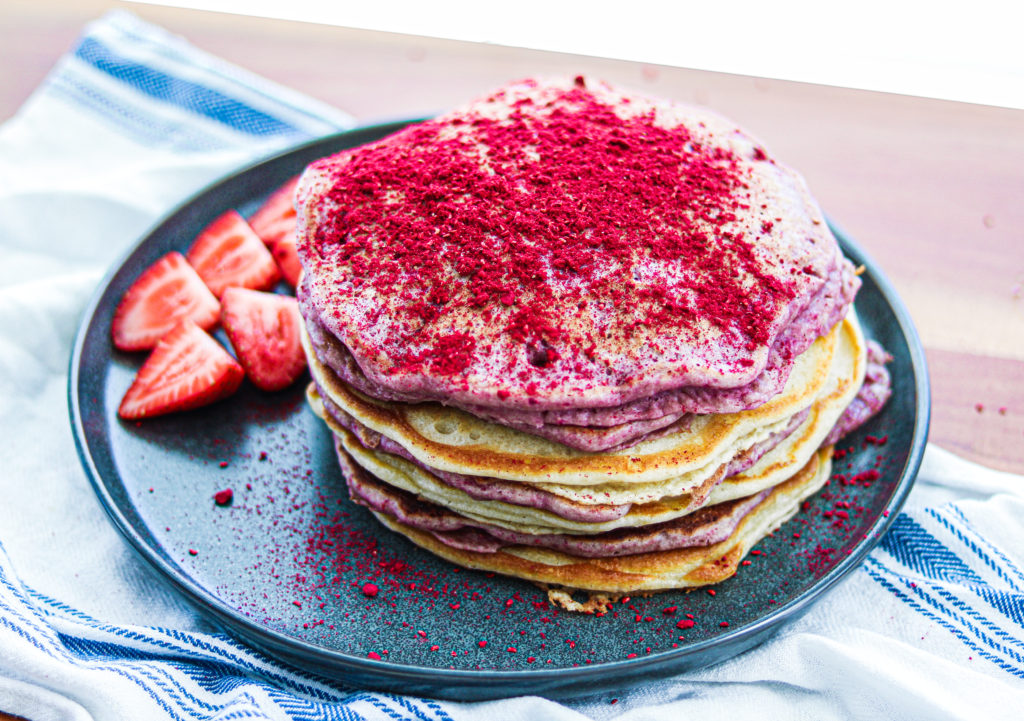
{"x":284,"y":566}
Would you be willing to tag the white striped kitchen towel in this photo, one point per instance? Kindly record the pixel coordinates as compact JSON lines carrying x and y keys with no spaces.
{"x":131,"y":121}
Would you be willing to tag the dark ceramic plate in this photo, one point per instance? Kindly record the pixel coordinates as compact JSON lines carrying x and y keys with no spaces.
{"x":284,"y":566}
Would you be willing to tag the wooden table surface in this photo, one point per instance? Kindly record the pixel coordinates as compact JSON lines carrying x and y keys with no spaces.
{"x":933,"y":190}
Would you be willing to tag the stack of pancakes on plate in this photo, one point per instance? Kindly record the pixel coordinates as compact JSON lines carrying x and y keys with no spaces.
{"x":578,"y":336}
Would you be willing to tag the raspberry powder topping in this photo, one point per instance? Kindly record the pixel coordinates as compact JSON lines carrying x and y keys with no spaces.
{"x":559,"y":240}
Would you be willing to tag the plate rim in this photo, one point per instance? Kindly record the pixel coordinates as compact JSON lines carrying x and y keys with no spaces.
{"x":501,"y":683}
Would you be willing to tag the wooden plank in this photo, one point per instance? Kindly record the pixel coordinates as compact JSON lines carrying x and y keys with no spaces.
{"x":930,"y":188}
{"x":963,"y":382}
{"x":32,"y":36}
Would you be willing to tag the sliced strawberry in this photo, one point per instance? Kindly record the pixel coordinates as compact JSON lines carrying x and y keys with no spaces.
{"x":168,"y":291}
{"x":228,"y":253}
{"x":187,"y":369}
{"x":264,"y":331}
{"x":276,"y":217}
{"x":287,"y":258}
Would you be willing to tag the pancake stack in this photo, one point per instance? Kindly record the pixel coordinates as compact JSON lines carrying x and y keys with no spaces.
{"x":578,"y":336}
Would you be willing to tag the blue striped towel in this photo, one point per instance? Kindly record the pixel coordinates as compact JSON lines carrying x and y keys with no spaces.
{"x":133,"y":120}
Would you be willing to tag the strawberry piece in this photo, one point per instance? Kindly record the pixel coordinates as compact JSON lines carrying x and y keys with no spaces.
{"x":264,"y":331}
{"x":287,"y":258}
{"x":229,"y":253}
{"x":275,"y":220}
{"x":186,"y":370}
{"x":168,"y":291}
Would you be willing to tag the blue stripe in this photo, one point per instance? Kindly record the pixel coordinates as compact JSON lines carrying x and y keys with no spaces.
{"x":241,"y":713}
{"x":146,"y":128}
{"x":917,"y":549}
{"x":442,"y":715}
{"x":973,"y":612}
{"x":153,"y":672}
{"x":32,"y":620}
{"x":156,"y":679}
{"x":213,"y":678}
{"x":300,"y":710}
{"x":955,"y":629}
{"x":157,"y":698}
{"x":4,"y":621}
{"x":126,"y":25}
{"x":999,"y":566}
{"x":196,"y":98}
{"x":412,"y":705}
{"x":1010,"y":605}
{"x":124,"y":119}
{"x":380,"y":706}
{"x":193,"y":648}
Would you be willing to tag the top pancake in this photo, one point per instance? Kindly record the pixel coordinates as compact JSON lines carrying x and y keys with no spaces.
{"x":561,"y":246}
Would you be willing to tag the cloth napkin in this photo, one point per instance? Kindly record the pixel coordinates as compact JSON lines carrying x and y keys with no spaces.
{"x":133,"y":120}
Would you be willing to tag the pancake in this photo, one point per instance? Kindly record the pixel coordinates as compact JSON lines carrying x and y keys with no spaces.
{"x":703,"y":527}
{"x":579,"y":337}
{"x":408,"y":477}
{"x":647,"y":503}
{"x":537,"y":273}
{"x":653,"y":571}
{"x":452,"y":440}
{"x":586,"y":429}
{"x":873,"y":394}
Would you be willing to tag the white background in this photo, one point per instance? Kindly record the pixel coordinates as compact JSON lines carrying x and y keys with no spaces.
{"x":967,"y":50}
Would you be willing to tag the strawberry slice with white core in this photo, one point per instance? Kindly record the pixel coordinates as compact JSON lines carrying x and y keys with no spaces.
{"x":228,"y":252}
{"x":264,"y":331}
{"x":168,"y":291}
{"x":287,"y":258}
{"x":186,"y":370}
{"x":275,"y":220}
